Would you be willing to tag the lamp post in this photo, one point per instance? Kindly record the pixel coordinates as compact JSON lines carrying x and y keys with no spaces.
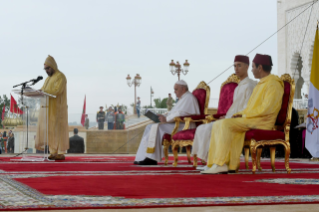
{"x":152,"y":92}
{"x":175,"y":68}
{"x":136,"y":82}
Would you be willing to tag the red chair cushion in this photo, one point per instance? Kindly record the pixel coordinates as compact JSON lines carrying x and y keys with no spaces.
{"x":167,"y":137}
{"x":226,"y":98}
{"x":264,"y":135}
{"x":185,"y":135}
{"x":200,"y":95}
{"x":282,"y":115}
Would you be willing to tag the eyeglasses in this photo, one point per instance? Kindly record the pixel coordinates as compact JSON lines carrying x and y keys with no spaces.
{"x":47,"y":68}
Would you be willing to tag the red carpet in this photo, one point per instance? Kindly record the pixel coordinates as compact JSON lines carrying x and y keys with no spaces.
{"x":114,"y":182}
{"x":170,"y":186}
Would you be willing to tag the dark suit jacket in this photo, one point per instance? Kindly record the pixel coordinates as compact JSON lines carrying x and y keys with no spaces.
{"x":76,"y":144}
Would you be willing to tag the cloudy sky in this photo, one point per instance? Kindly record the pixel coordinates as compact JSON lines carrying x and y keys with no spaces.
{"x":96,"y":43}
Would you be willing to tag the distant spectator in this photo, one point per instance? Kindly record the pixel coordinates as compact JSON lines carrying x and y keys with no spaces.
{"x":110,"y":119}
{"x":76,"y":143}
{"x":87,"y":122}
{"x":5,"y":138}
{"x":138,"y":107}
{"x":10,"y":147}
{"x":1,"y":144}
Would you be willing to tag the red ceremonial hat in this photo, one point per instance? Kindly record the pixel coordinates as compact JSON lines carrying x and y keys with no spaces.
{"x":242,"y":58}
{"x":263,"y":59}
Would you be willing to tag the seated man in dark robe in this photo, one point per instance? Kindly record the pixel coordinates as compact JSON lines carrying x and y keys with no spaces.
{"x":76,"y":143}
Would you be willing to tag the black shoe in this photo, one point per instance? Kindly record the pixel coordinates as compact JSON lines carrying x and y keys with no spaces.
{"x":231,"y":171}
{"x":136,"y":162}
{"x":147,"y":161}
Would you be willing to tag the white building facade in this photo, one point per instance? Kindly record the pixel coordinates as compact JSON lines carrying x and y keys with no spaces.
{"x":295,"y":43}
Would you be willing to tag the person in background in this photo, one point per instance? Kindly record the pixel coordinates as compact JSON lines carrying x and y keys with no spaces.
{"x":10,"y":147}
{"x":87,"y":122}
{"x":110,"y":119}
{"x":1,"y":144}
{"x":169,"y":102}
{"x":76,"y":143}
{"x":100,"y":118}
{"x":5,"y":138}
{"x":138,"y":107}
{"x":120,"y":120}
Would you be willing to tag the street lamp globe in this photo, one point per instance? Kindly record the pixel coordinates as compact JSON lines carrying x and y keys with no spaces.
{"x":186,"y":66}
{"x":128,"y":79}
{"x":138,"y":79}
{"x":172,"y":66}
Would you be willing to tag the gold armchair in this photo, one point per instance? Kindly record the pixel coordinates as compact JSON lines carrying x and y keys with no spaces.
{"x":256,"y":139}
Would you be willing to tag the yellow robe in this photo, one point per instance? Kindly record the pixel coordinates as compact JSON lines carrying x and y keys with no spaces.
{"x":58,"y":134}
{"x":228,"y":135}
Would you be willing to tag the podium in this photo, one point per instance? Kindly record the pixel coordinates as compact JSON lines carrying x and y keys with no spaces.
{"x":34,"y":135}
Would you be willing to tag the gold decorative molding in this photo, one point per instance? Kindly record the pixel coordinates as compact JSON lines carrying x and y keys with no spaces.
{"x":231,"y":79}
{"x":203,"y":85}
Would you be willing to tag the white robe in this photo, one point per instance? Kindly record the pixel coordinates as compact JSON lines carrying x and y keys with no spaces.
{"x":203,"y":132}
{"x":186,"y":105}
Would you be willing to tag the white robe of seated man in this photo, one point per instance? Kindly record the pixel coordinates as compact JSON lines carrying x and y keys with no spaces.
{"x":186,"y":105}
{"x":203,"y":132}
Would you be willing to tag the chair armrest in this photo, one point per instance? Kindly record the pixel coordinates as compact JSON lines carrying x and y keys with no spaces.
{"x":194,"y":119}
{"x":217,"y":116}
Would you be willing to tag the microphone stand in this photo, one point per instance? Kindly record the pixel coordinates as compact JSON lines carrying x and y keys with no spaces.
{"x":23,"y":85}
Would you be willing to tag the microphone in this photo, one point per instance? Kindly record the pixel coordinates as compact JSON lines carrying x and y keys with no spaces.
{"x":36,"y":80}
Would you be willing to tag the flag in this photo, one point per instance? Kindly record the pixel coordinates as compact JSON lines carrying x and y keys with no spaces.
{"x":3,"y":112}
{"x":83,"y":112}
{"x":312,"y":131}
{"x":14,"y":106}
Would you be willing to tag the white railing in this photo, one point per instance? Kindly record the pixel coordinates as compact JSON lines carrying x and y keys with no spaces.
{"x":213,"y":102}
{"x":300,"y":104}
{"x":154,"y":110}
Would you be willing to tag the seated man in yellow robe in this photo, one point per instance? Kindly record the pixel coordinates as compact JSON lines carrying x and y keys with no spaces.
{"x":58,"y":129}
{"x":228,"y":135}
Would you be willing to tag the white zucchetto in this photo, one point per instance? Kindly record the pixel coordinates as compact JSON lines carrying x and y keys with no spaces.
{"x":181,"y":82}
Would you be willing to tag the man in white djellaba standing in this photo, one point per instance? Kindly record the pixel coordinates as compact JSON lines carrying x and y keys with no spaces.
{"x":240,"y":99}
{"x":150,"y":150}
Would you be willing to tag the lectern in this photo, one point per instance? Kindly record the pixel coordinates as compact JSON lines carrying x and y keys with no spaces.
{"x":35,"y":124}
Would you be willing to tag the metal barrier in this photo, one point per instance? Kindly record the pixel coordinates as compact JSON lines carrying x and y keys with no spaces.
{"x":300,"y":104}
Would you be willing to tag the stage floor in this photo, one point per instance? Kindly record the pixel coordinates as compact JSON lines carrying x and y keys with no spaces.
{"x":113,"y":182}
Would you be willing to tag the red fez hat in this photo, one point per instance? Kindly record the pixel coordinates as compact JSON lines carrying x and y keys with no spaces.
{"x":263,"y":60}
{"x":242,"y":58}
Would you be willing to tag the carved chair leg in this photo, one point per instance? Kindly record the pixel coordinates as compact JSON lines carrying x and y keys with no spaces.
{"x":203,"y":162}
{"x":238,"y":165}
{"x":246,"y":157}
{"x":253,"y":156}
{"x":259,"y":151}
{"x":287,"y":153}
{"x":175,"y":151}
{"x":272,"y":157}
{"x":195,"y":160}
{"x":166,"y":153}
{"x":188,"y":151}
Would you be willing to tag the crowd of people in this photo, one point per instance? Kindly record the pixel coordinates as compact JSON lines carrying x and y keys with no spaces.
{"x":114,"y":117}
{"x":6,"y":142}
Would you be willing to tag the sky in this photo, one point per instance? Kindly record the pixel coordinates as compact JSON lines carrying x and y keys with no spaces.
{"x":97,"y":43}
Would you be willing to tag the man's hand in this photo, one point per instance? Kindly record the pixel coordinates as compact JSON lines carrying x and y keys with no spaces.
{"x":162,"y":118}
{"x":237,"y":116}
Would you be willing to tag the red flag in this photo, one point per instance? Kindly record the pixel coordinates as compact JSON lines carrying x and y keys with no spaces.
{"x":14,"y":106}
{"x":83,"y":112}
{"x":3,"y":112}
